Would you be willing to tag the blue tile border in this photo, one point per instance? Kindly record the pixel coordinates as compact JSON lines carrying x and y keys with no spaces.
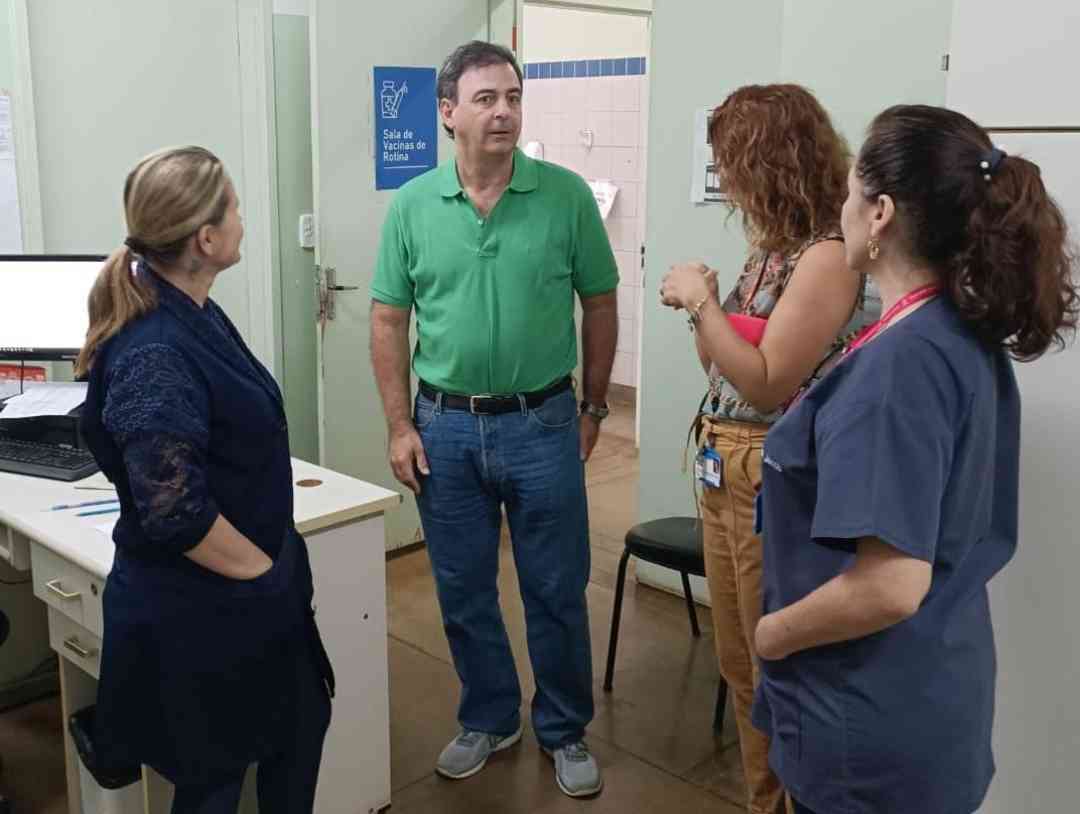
{"x":584,"y":68}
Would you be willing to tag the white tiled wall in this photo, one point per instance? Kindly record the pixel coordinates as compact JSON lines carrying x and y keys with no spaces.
{"x":556,"y":113}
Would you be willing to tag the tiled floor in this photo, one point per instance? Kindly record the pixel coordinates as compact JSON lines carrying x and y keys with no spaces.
{"x":652,"y":734}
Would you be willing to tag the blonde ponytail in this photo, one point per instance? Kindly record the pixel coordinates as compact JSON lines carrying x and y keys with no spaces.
{"x":118,"y":297}
{"x":168,"y":197}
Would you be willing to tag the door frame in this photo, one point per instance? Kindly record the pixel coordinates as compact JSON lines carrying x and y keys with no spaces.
{"x":262,"y":249}
{"x":24,"y":129}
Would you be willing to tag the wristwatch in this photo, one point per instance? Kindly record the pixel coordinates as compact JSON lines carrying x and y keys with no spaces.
{"x":599,"y":412}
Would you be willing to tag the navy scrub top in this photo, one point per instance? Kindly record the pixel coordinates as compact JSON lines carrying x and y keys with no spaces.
{"x":913,"y":439}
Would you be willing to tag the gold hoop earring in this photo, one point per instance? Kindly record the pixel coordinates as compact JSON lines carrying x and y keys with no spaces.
{"x":874,"y":248}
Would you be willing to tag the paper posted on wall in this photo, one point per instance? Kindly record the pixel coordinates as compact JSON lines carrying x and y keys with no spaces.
{"x":705,"y":184}
{"x":604,"y":192}
{"x":10,"y":217}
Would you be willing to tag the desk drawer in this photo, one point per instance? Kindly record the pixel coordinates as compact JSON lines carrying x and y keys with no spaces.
{"x":69,"y":589}
{"x":14,"y":548}
{"x":75,"y":643}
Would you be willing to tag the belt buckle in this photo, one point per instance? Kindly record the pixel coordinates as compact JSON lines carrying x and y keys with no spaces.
{"x":472,"y":404}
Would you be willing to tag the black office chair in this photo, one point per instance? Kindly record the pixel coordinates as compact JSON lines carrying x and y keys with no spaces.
{"x":673,"y":542}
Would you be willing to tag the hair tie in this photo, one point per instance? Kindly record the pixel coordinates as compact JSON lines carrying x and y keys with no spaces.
{"x":991,"y":161}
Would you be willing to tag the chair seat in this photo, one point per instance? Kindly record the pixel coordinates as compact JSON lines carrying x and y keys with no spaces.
{"x":673,"y":542}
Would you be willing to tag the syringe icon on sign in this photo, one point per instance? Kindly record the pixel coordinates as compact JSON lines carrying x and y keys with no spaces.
{"x":391,"y":98}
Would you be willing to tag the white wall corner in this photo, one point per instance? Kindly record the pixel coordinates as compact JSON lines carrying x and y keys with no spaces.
{"x":259,"y":174}
{"x":25,"y":132}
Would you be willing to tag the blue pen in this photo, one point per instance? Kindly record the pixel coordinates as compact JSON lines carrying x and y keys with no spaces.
{"x":98,"y":511}
{"x":81,"y":505}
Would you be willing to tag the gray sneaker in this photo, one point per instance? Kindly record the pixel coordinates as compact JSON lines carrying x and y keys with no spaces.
{"x":466,"y":754}
{"x":576,"y":770}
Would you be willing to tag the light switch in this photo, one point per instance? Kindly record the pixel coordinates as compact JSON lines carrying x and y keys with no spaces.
{"x":307,"y":231}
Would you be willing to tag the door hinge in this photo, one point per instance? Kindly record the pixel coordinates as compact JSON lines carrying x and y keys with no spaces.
{"x":944,"y":62}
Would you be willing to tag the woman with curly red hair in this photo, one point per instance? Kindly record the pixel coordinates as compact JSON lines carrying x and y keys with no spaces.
{"x":785,"y":168}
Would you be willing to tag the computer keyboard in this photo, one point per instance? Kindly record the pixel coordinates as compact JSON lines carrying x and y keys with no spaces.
{"x":45,"y":460}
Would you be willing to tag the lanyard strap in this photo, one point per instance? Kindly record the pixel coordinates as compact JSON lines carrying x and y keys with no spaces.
{"x":749,"y":301}
{"x":926,"y":292}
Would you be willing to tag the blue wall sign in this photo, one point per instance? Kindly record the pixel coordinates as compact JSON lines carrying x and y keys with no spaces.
{"x":406,"y":125}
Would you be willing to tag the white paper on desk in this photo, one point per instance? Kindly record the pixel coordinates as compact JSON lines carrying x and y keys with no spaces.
{"x":95,"y":481}
{"x":45,"y":398}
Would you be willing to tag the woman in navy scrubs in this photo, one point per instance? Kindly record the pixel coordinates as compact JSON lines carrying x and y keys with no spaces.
{"x":211,"y":660}
{"x":890,"y":490}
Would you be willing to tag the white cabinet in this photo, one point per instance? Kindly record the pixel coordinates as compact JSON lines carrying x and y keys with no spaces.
{"x":1016,"y":64}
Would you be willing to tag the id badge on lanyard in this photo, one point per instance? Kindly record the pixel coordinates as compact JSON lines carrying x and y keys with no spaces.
{"x":709,"y":468}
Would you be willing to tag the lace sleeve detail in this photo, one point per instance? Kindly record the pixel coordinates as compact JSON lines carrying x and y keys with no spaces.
{"x":159,"y":417}
{"x":150,"y":389}
{"x":167,"y":476}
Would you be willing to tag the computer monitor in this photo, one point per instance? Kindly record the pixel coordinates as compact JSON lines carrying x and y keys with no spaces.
{"x":43,"y":311}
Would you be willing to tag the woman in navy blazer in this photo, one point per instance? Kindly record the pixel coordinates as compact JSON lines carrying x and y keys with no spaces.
{"x":211,"y":660}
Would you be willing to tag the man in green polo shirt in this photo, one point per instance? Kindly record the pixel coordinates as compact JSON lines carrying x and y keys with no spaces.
{"x":489,"y":251}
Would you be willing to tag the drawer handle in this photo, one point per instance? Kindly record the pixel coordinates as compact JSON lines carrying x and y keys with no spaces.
{"x":73,"y":645}
{"x":57,"y":588}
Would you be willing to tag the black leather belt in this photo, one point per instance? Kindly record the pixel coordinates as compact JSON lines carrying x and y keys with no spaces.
{"x":485,"y":404}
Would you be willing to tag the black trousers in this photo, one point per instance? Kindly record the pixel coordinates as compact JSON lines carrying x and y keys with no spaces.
{"x":800,"y":808}
{"x":286,"y":782}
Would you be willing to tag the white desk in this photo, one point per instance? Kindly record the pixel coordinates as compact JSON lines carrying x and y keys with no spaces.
{"x":342,"y":520}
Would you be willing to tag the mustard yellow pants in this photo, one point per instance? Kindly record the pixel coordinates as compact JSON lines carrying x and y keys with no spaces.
{"x":733,"y":569}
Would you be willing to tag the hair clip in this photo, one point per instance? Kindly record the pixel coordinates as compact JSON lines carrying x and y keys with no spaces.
{"x":991,"y":162}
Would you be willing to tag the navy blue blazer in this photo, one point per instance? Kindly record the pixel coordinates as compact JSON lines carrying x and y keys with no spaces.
{"x":198,"y":670}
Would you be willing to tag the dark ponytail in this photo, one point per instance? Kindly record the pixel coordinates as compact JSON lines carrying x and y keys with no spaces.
{"x":1014,"y":280}
{"x":982,"y":220}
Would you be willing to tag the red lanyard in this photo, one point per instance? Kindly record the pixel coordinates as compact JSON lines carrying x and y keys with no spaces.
{"x":910,"y":299}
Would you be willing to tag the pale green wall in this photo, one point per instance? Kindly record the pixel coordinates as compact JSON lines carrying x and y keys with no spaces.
{"x":858,"y":57}
{"x":697,"y":58}
{"x":295,"y":180}
{"x":7,"y":59}
{"x":108,"y":90}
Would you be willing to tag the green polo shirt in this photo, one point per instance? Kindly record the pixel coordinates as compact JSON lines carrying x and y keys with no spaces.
{"x":494,"y":297}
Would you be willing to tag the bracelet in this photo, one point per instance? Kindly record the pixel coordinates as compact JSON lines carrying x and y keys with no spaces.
{"x":695,"y":313}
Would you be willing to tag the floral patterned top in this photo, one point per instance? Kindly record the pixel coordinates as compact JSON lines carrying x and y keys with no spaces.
{"x":760,"y":286}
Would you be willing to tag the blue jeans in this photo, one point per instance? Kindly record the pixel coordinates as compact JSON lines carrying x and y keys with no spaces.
{"x":527,"y":461}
